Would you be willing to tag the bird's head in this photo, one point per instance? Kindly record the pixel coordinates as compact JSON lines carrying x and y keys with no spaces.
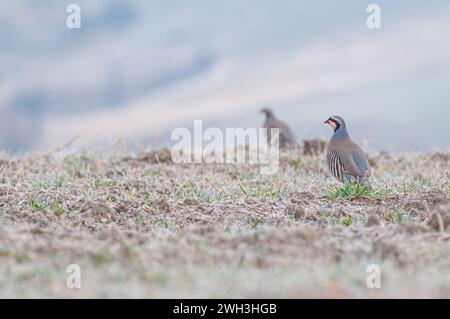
{"x":336,"y":122}
{"x":267,"y":112}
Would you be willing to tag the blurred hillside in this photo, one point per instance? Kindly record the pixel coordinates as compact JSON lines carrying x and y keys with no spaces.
{"x":140,"y":68}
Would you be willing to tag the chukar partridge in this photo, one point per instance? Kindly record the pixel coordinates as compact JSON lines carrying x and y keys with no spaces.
{"x":286,"y":137}
{"x":346,"y":160}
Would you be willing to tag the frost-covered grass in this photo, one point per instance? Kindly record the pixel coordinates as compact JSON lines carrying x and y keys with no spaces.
{"x":141,"y":226}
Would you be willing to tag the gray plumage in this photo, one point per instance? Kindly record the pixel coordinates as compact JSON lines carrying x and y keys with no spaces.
{"x":286,"y":137}
{"x":346,"y":160}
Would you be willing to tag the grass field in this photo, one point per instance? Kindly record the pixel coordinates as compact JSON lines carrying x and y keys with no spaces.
{"x":142,"y":226}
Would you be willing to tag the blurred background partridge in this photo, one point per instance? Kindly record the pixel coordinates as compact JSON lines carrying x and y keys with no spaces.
{"x":346,"y":160}
{"x":286,"y":136}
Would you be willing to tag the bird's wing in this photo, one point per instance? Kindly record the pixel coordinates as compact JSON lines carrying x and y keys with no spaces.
{"x":348,"y":162}
{"x":285,"y":131}
{"x":360,"y":160}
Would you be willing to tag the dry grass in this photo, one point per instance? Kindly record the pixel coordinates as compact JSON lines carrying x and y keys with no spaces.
{"x":141,"y":226}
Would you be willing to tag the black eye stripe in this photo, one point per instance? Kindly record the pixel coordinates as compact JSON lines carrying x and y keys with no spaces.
{"x":334,"y":121}
{"x":338,"y":124}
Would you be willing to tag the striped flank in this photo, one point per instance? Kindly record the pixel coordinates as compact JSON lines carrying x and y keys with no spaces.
{"x":335,"y":165}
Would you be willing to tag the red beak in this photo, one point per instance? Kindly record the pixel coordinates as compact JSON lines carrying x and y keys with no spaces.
{"x":327,"y":122}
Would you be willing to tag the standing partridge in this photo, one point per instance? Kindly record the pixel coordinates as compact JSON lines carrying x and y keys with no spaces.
{"x":346,"y":160}
{"x":286,"y":137}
